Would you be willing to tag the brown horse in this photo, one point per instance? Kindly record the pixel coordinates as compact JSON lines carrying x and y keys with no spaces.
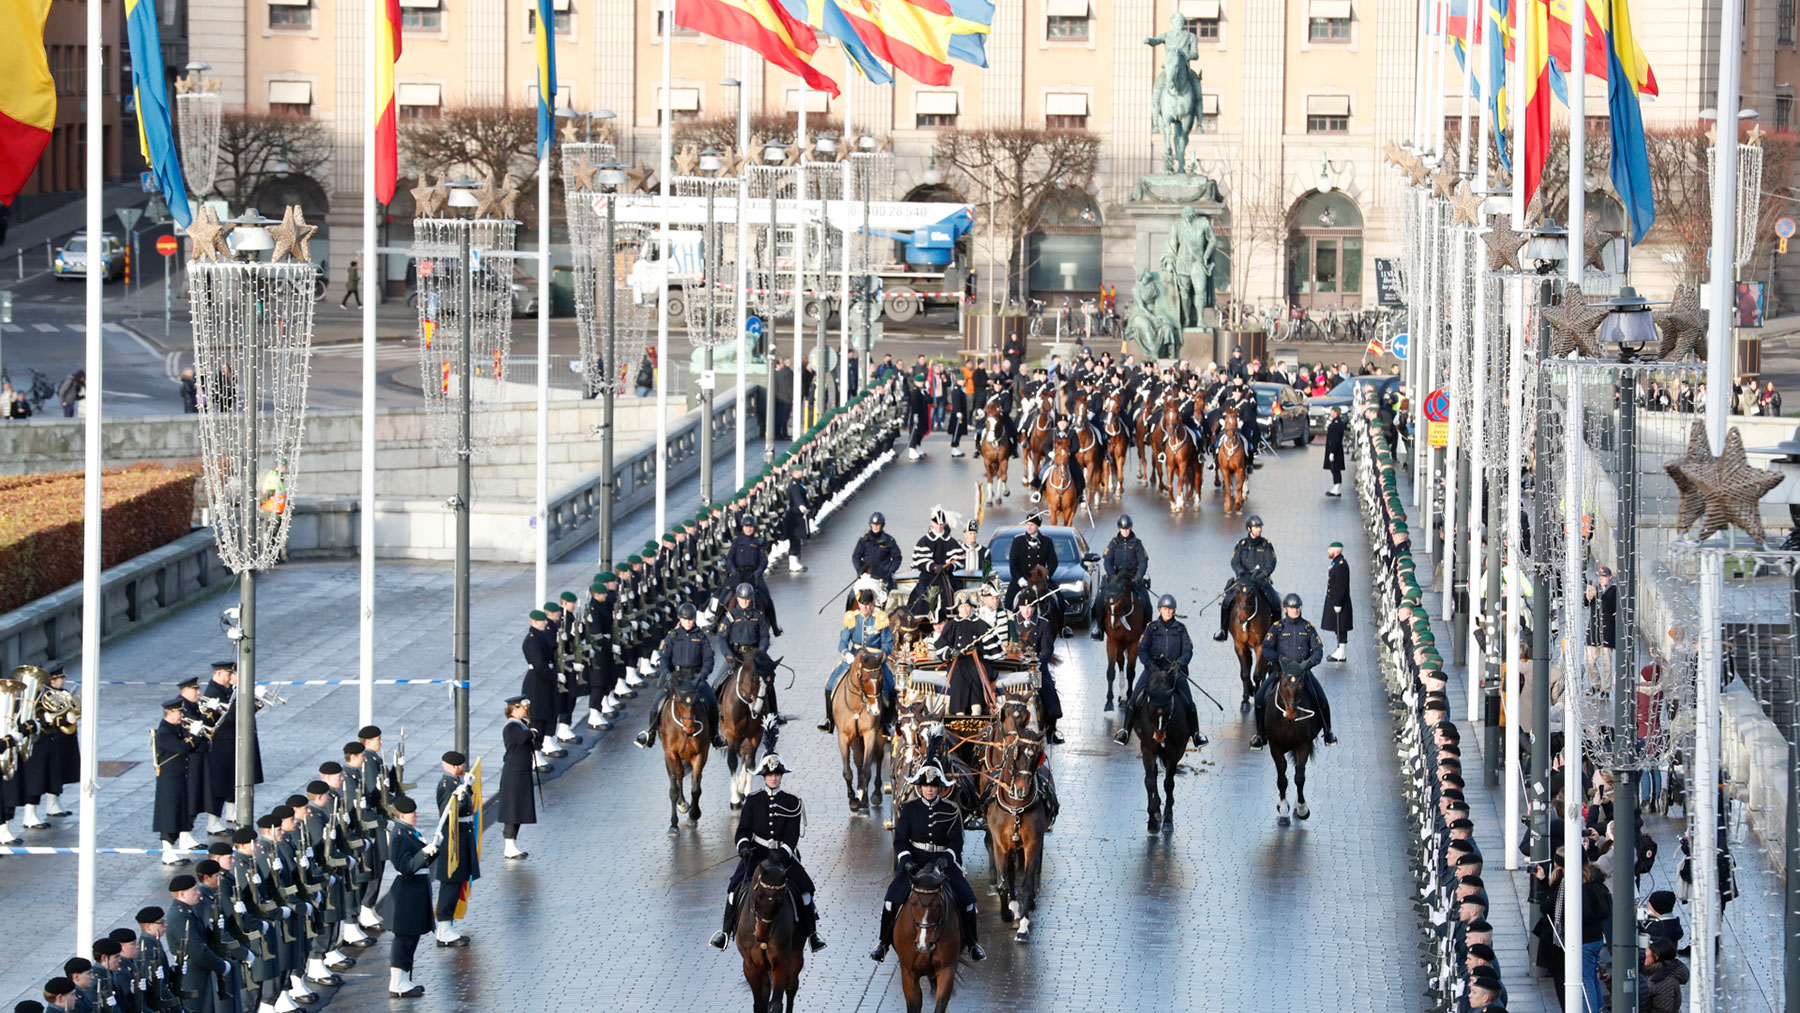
{"x":1249,"y":622}
{"x":1059,"y":486}
{"x":1291,"y":729}
{"x":1233,"y":463}
{"x":1161,"y":724}
{"x":1016,"y":827}
{"x":1148,"y":440}
{"x":768,"y":938}
{"x":1037,"y":436}
{"x":928,"y":938}
{"x":995,"y":443}
{"x":687,"y":734}
{"x":856,"y":713}
{"x":1125,"y":622}
{"x":1090,"y":450}
{"x":1041,"y":590}
{"x":1179,"y":459}
{"x":1115,"y":433}
{"x":742,"y":711}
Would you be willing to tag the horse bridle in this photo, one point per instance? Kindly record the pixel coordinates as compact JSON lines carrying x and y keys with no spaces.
{"x":764,"y":925}
{"x":675,"y":703}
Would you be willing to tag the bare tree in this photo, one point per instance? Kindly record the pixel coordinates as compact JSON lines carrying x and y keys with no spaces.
{"x":257,"y":147}
{"x":1012,"y":172}
{"x":721,"y":132}
{"x":485,"y":141}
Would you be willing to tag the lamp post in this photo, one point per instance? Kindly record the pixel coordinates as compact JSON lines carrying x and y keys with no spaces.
{"x":462,"y":197}
{"x":611,"y":177}
{"x":739,"y":298}
{"x":710,"y":164}
{"x":867,"y":145}
{"x":773,"y":154}
{"x":199,"y":112}
{"x":825,"y":147}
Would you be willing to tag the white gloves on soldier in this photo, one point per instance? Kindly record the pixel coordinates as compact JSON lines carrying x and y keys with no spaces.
{"x":429,"y":850}
{"x":849,"y":658}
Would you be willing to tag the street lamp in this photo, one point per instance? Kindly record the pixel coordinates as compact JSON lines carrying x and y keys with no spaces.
{"x":707,"y":303}
{"x":1325,"y":184}
{"x":610,"y":178}
{"x":199,"y":112}
{"x":1549,"y":246}
{"x":1628,"y":323}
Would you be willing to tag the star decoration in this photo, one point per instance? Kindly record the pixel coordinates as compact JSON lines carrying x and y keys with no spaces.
{"x":1721,"y":491}
{"x":884,"y":143}
{"x":509,"y":200}
{"x":184,"y":84}
{"x":568,"y":133}
{"x":1683,"y":324}
{"x":584,"y":172}
{"x":291,"y":236}
{"x":1594,"y":242}
{"x":1414,"y":170}
{"x":208,"y":235}
{"x":687,"y":161}
{"x":1444,"y":180}
{"x":1392,"y":153}
{"x":1503,"y":244}
{"x":637,"y":179}
{"x":1465,"y":207}
{"x":428,"y":200}
{"x":214,"y":85}
{"x":487,"y":199}
{"x":1712,"y":136}
{"x":1572,"y":325}
{"x":1756,"y":135}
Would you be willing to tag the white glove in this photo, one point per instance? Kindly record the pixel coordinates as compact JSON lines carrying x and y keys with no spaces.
{"x":1021,"y":582}
{"x":849,"y":658}
{"x":287,"y":912}
{"x":239,"y":907}
{"x":429,"y":850}
{"x":579,"y":667}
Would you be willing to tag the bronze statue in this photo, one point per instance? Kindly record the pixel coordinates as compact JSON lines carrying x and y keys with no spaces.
{"x":1175,"y":97}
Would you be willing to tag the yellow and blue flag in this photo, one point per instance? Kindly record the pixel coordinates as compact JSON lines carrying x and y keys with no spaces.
{"x":156,"y":130}
{"x":1499,"y":23}
{"x":969,"y":27}
{"x":1626,"y":70}
{"x":825,"y":16}
{"x":546,"y":74}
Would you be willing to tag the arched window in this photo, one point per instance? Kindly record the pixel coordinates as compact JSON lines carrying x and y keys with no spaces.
{"x":1063,"y":252}
{"x":1325,"y":251}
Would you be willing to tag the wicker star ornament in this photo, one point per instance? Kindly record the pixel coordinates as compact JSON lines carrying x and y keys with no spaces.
{"x":1719,"y":491}
{"x":1444,"y":180}
{"x":1594,"y":242}
{"x":428,"y":200}
{"x":687,"y":161}
{"x":1414,"y":170}
{"x":584,"y":172}
{"x":1503,"y":243}
{"x":1465,"y":207}
{"x":1683,"y":324}
{"x":1572,"y":325}
{"x":207,"y":235}
{"x":291,"y":236}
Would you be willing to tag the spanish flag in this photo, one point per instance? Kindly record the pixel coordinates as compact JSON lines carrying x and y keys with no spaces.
{"x":1537,"y":93}
{"x":156,"y":129}
{"x":387,"y":155}
{"x":761,"y":25}
{"x":27,"y":95}
{"x":546,"y":79}
{"x":913,"y":35}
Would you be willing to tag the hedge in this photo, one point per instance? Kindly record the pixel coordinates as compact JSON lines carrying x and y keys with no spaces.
{"x":144,"y":507}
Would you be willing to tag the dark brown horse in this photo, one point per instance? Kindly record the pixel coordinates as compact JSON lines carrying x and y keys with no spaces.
{"x":1090,"y":451}
{"x":1233,"y":463}
{"x":856,"y":713}
{"x":1125,"y":622}
{"x":742,"y":713}
{"x":1115,"y":433}
{"x":995,"y":443}
{"x":1037,"y":437}
{"x":928,"y":938}
{"x":1059,"y":485}
{"x":1178,"y":462}
{"x":687,"y":734}
{"x":1016,"y":827}
{"x":1148,"y":439}
{"x":1291,"y":729}
{"x":1249,"y":622}
{"x":1161,"y":724}
{"x":768,"y":938}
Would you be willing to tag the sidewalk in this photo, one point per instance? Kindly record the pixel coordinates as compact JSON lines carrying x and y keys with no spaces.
{"x":305,"y":632}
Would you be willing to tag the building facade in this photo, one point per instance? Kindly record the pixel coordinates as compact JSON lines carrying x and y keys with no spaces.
{"x":63,"y":167}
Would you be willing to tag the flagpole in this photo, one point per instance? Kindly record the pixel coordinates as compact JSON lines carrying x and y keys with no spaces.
{"x":1420,"y":72}
{"x":743,"y":256}
{"x":1440,"y":51}
{"x":799,"y":406}
{"x":1515,"y":511}
{"x":91,"y":510}
{"x":1459,"y":328}
{"x":1577,"y":89}
{"x":371,"y":275}
{"x":844,"y":192}
{"x":662,"y":301}
{"x":542,"y":569}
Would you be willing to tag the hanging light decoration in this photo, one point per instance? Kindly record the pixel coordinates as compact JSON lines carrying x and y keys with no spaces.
{"x":198,"y":113}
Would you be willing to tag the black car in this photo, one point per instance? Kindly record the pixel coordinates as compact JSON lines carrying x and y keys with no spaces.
{"x":1282,"y":411}
{"x":1077,"y":569}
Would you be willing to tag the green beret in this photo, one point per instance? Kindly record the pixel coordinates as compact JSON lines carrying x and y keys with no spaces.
{"x":650,"y":546}
{"x":538,"y":616}
{"x":609,"y":579}
{"x":597,"y":587}
{"x":625,"y":567}
{"x":635,"y":559}
{"x":668,"y":538}
{"x":553,"y":606}
{"x":568,"y":596}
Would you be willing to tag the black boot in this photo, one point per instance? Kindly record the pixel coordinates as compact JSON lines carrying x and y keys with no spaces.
{"x":730,"y":923}
{"x":1260,"y":739}
{"x":890,"y":710}
{"x":1193,"y":716}
{"x":648,"y":735}
{"x":884,"y":940}
{"x":1097,"y":623}
{"x":1123,"y":736}
{"x":718,"y":739}
{"x":976,"y":953}
{"x":826,"y":725}
{"x":1224,"y":618}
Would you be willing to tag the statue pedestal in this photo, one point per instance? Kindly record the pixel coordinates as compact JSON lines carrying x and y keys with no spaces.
{"x":1156,"y":204}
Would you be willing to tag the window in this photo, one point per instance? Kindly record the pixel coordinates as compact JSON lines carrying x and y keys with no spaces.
{"x":1328,"y":30}
{"x":1784,"y":22}
{"x":564,"y":24}
{"x":934,"y":109}
{"x":421,"y":16}
{"x":1327,"y":114}
{"x":1066,"y":111}
{"x":1204,"y":29}
{"x":290,"y":98}
{"x":1784,"y":113}
{"x":1066,"y":20}
{"x":418,"y":101}
{"x":684,"y":102}
{"x":1327,"y":124}
{"x":1209,"y":112}
{"x":680,"y":32}
{"x":290,"y":15}
{"x":1202,"y":18}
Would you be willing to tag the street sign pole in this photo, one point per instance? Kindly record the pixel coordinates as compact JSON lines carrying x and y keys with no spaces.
{"x":166,"y":245}
{"x":5,"y":318}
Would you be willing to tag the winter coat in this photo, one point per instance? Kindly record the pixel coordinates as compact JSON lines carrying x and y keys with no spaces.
{"x":1659,"y":990}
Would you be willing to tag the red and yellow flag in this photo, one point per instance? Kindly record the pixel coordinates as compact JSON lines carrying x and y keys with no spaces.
{"x":761,"y":25}
{"x":913,"y":35}
{"x":387,"y":155}
{"x":27,"y":94}
{"x":1537,"y":93}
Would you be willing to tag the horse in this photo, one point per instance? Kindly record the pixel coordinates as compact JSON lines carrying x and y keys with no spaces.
{"x":742,"y":722}
{"x":928,"y":938}
{"x":1125,"y":622}
{"x":1233,"y":463}
{"x":1016,"y":826}
{"x":1116,"y":436}
{"x":1041,"y":589}
{"x":1162,"y":731}
{"x":768,"y":937}
{"x":856,"y":713}
{"x":1291,"y":729}
{"x":687,"y":734}
{"x":1179,"y":460}
{"x":1249,"y":622}
{"x":1090,"y":450}
{"x":1146,"y":437}
{"x":1059,"y":487}
{"x":1037,"y":437}
{"x":995,"y":443}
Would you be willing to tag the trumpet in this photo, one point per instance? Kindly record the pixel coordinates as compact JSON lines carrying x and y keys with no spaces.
{"x":265,"y":697}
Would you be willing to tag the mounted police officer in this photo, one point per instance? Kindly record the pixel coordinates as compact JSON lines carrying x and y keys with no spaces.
{"x":1128,"y":563}
{"x":866,"y":628}
{"x":1252,"y":561}
{"x":746,"y":631}
{"x":747,"y":558}
{"x":684,"y":653}
{"x":1031,"y":549}
{"x":876,"y":552}
{"x":1292,"y":639}
{"x":1164,"y":645}
{"x":927,"y":828}
{"x":772,"y":821}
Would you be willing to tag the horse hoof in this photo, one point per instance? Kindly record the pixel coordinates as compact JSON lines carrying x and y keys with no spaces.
{"x":1168,"y":822}
{"x":1022,"y":936}
{"x":1153,"y":828}
{"x":1244,"y":706}
{"x":1302,"y":812}
{"x":1283,"y":821}
{"x":1109,"y":705}
{"x":681,"y":807}
{"x":735,"y":806}
{"x":674,"y":830}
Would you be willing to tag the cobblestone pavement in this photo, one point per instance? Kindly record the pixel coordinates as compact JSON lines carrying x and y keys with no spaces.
{"x":1226,"y":912}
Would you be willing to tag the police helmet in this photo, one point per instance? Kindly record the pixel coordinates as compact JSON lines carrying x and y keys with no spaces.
{"x":1124,"y":522}
{"x":686,"y":611}
{"x":1255,"y":521}
{"x":746,"y":591}
{"x":1292,"y":601}
{"x":1167,"y":601}
{"x":747,"y":521}
{"x":877,"y":518}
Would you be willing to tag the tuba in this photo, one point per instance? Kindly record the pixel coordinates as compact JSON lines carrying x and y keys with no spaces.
{"x":19,"y":695}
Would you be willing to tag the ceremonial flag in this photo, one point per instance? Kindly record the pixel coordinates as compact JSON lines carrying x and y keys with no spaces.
{"x":825,"y":16}
{"x":387,"y":155}
{"x":1599,"y":16}
{"x":1630,"y":159}
{"x":913,"y":35}
{"x":27,"y":95}
{"x":1374,"y":351}
{"x":156,"y":130}
{"x":972,"y":21}
{"x":764,"y":26}
{"x":462,"y":897}
{"x":546,"y":74}
{"x":1499,"y":23}
{"x":1537,"y":95}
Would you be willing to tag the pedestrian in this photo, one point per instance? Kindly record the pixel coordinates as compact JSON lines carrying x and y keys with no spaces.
{"x":459,"y":865}
{"x":72,"y":390}
{"x":517,"y":778}
{"x":1596,"y":916}
{"x":352,"y":286}
{"x":784,"y":397}
{"x":886,"y":369}
{"x":407,"y":907}
{"x":1769,"y":402}
{"x":1663,"y":977}
{"x":918,"y":410}
{"x":1334,"y":450}
{"x":1603,"y":617}
{"x":190,"y":392}
{"x":18,"y":407}
{"x":793,"y":520}
{"x":1339,"y":617}
{"x":645,"y":379}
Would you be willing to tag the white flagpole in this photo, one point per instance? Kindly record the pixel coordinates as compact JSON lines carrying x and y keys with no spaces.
{"x":1459,"y":333}
{"x":1517,"y":564}
{"x":1478,"y":465}
{"x":91,"y":508}
{"x":849,"y":141}
{"x":663,"y":180}
{"x":371,"y":280}
{"x":743,"y":256}
{"x":799,"y":406}
{"x":543,"y":357}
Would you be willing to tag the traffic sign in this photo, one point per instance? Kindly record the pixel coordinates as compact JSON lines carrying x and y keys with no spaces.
{"x":129,"y":216}
{"x":1437,"y":434}
{"x":425,"y":268}
{"x":166,"y":245}
{"x":1784,"y":228}
{"x":753,"y":326}
{"x":147,"y":180}
{"x":1437,"y":406}
{"x":1401,"y":343}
